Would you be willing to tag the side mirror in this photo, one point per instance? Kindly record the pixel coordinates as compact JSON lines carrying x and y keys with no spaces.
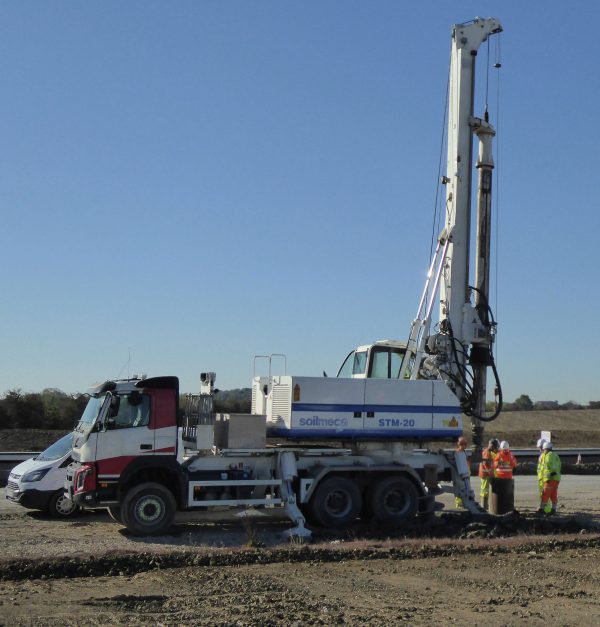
{"x":110,"y":424}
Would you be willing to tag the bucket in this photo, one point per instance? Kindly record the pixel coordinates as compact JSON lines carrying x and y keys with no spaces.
{"x":503,"y":496}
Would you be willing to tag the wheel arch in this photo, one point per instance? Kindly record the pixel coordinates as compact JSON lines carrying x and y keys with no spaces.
{"x":158,"y":469}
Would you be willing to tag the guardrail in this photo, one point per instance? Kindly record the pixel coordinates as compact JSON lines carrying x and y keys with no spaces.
{"x":17,"y":456}
{"x":521,"y":452}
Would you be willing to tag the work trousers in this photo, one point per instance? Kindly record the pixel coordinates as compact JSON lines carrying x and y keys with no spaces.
{"x":550,"y":496}
{"x":484,"y":487}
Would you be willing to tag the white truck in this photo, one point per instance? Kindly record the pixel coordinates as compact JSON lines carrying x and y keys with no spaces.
{"x":367,"y":443}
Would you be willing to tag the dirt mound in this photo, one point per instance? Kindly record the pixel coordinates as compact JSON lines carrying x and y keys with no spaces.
{"x":570,"y":428}
{"x":28,"y":439}
{"x":354,"y":544}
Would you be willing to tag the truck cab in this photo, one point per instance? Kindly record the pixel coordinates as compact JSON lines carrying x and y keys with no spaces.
{"x":127,"y":426}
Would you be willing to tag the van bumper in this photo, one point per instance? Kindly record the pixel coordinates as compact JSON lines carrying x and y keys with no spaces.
{"x":31,"y":499}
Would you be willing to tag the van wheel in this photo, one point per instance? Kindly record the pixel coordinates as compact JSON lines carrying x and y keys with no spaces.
{"x":114,"y":511}
{"x":62,"y":507}
{"x":393,"y":500}
{"x":336,"y":503}
{"x":148,"y":509}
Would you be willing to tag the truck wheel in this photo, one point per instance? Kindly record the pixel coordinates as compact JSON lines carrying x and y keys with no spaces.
{"x":62,"y":507}
{"x":336,"y":503}
{"x":114,"y":511}
{"x":393,"y":500}
{"x":148,"y":509}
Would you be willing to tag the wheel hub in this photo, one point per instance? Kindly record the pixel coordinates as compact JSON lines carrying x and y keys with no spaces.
{"x":149,"y":509}
{"x":338,"y":503}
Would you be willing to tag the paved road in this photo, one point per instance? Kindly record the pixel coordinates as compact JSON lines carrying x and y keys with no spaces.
{"x":577,"y":493}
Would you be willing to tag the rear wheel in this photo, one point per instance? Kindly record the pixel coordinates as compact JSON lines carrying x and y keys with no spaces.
{"x":336,"y":503}
{"x":62,"y":507}
{"x":148,"y":509}
{"x":393,"y":500}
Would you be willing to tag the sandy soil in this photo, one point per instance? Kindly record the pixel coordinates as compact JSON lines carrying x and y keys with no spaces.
{"x":519,"y":569}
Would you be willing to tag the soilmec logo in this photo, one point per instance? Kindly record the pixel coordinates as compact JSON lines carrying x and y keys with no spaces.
{"x":450,"y":423}
{"x":316,"y":421}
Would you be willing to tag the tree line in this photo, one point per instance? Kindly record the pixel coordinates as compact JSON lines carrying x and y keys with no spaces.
{"x":54,"y":409}
{"x":524,"y":403}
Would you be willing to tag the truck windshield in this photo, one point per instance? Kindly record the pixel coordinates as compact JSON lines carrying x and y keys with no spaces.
{"x":57,"y":450}
{"x":91,"y":409}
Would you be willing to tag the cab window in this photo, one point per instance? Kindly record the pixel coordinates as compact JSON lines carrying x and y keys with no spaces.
{"x":345,"y":372}
{"x":380,"y":364}
{"x":355,"y":363}
{"x":360,"y":362}
{"x":385,"y":362}
{"x":134,"y":411}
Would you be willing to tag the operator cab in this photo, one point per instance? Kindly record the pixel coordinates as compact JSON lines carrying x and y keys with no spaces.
{"x":381,"y":360}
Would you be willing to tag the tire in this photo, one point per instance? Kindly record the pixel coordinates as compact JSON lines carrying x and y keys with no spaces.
{"x":393,"y":500}
{"x":336,"y":503}
{"x":148,"y":509}
{"x":62,"y":507}
{"x":114,"y":511}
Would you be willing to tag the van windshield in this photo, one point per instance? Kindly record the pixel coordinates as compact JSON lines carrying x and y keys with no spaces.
{"x":57,"y":450}
{"x":91,"y":409}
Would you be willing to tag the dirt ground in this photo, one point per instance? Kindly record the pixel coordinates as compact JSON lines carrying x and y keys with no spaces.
{"x":517,"y":569}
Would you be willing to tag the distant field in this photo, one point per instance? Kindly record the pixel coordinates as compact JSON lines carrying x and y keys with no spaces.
{"x":521,"y":428}
{"x":569,"y":427}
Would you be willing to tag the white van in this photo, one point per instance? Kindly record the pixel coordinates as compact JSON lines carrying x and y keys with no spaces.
{"x":38,"y":483}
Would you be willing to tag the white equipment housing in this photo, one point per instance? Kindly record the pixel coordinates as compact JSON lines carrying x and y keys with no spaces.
{"x":355,"y":409}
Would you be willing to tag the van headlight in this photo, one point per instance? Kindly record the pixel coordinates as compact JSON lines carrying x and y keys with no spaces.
{"x":35,"y":475}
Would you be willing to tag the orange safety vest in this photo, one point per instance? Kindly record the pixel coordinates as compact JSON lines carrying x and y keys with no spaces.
{"x":504,"y":463}
{"x":486,"y":465}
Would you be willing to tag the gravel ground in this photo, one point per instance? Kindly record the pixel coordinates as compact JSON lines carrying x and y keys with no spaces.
{"x":515,"y":569}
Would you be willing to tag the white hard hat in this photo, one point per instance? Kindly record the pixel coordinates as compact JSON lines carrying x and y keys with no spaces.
{"x":540,"y":443}
{"x":504,"y":446}
{"x":547,"y":446}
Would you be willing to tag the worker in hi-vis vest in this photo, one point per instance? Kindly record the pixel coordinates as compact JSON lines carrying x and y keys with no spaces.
{"x":540,"y":470}
{"x":461,"y":447}
{"x":504,"y":462}
{"x":551,"y":477}
{"x":486,"y":470}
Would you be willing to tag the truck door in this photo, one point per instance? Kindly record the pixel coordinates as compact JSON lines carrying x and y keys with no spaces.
{"x":125,"y":434}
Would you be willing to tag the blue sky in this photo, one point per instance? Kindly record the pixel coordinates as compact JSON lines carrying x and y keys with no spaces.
{"x":185,"y":185}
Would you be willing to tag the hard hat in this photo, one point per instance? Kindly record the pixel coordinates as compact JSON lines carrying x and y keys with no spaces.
{"x":494,"y":443}
{"x":540,"y":443}
{"x":504,"y":445}
{"x":547,"y":446}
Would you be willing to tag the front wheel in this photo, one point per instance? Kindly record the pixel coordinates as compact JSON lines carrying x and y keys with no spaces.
{"x":148,"y":509}
{"x":62,"y":507}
